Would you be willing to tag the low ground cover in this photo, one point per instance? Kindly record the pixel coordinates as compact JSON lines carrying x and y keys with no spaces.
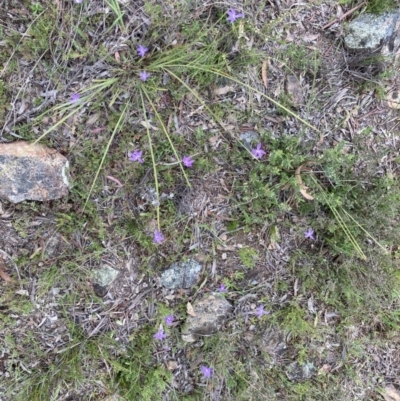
{"x":297,"y":227}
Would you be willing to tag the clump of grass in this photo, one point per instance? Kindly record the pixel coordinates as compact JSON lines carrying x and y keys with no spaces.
{"x":191,"y":67}
{"x":136,"y":373}
{"x":379,"y":6}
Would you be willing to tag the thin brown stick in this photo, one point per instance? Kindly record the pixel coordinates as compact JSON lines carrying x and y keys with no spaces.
{"x":346,"y":14}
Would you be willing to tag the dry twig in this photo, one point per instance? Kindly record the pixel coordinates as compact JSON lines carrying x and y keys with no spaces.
{"x":346,"y":14}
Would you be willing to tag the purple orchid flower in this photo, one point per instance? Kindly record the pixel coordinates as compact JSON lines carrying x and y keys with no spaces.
{"x":233,"y":15}
{"x":158,"y":237}
{"x":309,"y":234}
{"x":160,"y":334}
{"x":169,"y":320}
{"x":142,"y":50}
{"x":75,"y":97}
{"x":260,"y":311}
{"x":222,"y":288}
{"x":187,"y":161}
{"x":136,"y":156}
{"x":144,"y":76}
{"x":258,"y":152}
{"x":206,"y":371}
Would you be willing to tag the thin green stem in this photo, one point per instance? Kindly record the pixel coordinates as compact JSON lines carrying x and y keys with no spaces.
{"x":203,"y":103}
{"x":233,"y":79}
{"x":341,"y":222}
{"x":167,"y":135}
{"x":153,"y":160}
{"x":365,"y":231}
{"x":75,"y":106}
{"x":116,"y":129}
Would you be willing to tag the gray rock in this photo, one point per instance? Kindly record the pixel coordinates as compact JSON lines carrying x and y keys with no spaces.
{"x":52,"y":244}
{"x":182,"y":274}
{"x":32,"y":172}
{"x":370,"y":32}
{"x":250,"y":139}
{"x":273,"y":342}
{"x":206,"y":318}
{"x":299,"y":372}
{"x":294,"y":90}
{"x":103,"y":278}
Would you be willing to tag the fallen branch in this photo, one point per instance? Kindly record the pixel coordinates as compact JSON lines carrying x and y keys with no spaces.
{"x":346,"y":14}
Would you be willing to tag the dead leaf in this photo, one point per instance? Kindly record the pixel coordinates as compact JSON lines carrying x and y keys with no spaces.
{"x":264,"y":73}
{"x":117,"y":57}
{"x":115,"y":180}
{"x":172,"y":365}
{"x":303,"y":188}
{"x":226,"y":248}
{"x":393,"y":99}
{"x":92,"y":119}
{"x":22,"y":292}
{"x":215,"y":141}
{"x":324,"y":370}
{"x":190,"y":310}
{"x":146,"y":124}
{"x":3,"y":274}
{"x":97,"y":130}
{"x":390,"y":394}
{"x":224,"y":90}
{"x":309,"y":37}
{"x":306,"y":195}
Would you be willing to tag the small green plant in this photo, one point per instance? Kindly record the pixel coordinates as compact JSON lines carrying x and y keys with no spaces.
{"x":379,"y":6}
{"x":137,"y":374}
{"x":36,"y":8}
{"x":248,"y":256}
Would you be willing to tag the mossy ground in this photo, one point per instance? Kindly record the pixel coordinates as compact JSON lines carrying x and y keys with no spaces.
{"x":331,"y":165}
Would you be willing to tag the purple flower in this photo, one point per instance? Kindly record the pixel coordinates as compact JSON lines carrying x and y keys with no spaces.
{"x":260,"y":311}
{"x":136,"y":156}
{"x":160,"y":334}
{"x":78,"y":1}
{"x":75,"y":97}
{"x":233,"y":15}
{"x":258,"y":152}
{"x":187,"y":161}
{"x":158,"y":237}
{"x":169,"y":320}
{"x":222,"y":288}
{"x":144,"y":75}
{"x":207,"y":372}
{"x":142,"y":50}
{"x":309,"y":234}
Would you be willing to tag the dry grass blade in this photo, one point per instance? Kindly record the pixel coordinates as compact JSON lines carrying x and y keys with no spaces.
{"x":264,"y":73}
